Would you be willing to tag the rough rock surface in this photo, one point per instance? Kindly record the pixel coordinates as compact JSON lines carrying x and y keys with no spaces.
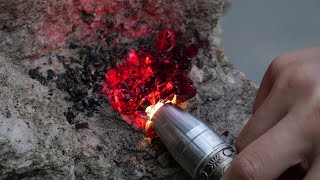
{"x":37,"y":141}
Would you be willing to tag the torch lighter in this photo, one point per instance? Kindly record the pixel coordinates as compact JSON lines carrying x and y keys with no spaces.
{"x":195,"y":146}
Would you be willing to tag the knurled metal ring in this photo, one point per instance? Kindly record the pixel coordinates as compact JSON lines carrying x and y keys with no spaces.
{"x":214,"y":166}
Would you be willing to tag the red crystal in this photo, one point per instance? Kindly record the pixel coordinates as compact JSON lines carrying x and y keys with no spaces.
{"x":166,"y":41}
{"x":145,"y":78}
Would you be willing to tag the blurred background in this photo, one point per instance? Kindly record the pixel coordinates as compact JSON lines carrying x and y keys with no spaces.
{"x":256,"y":31}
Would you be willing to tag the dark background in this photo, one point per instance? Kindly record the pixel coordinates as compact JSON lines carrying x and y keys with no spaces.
{"x":256,"y":31}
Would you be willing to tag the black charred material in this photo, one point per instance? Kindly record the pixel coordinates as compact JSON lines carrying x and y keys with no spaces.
{"x":84,"y":84}
{"x":82,"y":126}
{"x":199,"y":63}
{"x":34,"y":73}
{"x":84,"y":75}
{"x":87,"y":17}
{"x":73,"y":46}
{"x":70,"y":115}
{"x":99,"y":148}
{"x":50,"y":74}
{"x":37,"y":75}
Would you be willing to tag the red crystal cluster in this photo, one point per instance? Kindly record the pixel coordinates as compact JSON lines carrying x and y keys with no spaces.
{"x":145,"y":78}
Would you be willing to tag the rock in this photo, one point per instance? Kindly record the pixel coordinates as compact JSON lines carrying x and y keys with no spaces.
{"x":19,"y":136}
{"x":165,"y":160}
{"x":45,"y":43}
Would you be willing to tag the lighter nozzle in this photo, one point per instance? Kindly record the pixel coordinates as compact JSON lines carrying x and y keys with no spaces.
{"x":195,"y":146}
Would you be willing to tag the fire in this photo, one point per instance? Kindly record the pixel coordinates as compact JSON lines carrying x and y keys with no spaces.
{"x":145,"y":80}
{"x":152,"y":109}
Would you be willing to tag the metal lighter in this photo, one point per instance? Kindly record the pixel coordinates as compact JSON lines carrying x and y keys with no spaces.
{"x":196,"y":147}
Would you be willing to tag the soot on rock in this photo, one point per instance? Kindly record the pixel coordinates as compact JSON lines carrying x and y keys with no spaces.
{"x":128,"y":76}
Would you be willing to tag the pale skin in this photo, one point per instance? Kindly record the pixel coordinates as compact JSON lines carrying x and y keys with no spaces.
{"x":282,"y":138}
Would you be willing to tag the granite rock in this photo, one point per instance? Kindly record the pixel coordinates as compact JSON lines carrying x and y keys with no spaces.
{"x":36,"y":139}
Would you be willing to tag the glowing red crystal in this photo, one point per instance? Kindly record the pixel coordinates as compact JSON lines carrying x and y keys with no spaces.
{"x":145,"y":78}
{"x":166,"y":41}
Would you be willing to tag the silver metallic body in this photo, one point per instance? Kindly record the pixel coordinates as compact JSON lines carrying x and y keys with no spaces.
{"x":199,"y":150}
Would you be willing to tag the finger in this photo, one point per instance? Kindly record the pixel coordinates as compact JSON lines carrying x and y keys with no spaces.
{"x":314,"y":171}
{"x":271,"y":154}
{"x":276,"y":67}
{"x":264,"y":89}
{"x":268,"y":114}
{"x":268,"y":80}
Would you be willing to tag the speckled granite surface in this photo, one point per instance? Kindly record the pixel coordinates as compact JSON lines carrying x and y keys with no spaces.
{"x":36,"y":139}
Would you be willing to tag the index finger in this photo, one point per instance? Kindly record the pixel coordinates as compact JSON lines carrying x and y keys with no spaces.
{"x":270,"y":155}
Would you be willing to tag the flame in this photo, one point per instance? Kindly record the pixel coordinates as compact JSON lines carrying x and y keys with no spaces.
{"x":152,"y":109}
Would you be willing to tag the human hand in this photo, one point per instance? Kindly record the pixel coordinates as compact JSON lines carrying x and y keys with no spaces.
{"x":284,"y":130}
